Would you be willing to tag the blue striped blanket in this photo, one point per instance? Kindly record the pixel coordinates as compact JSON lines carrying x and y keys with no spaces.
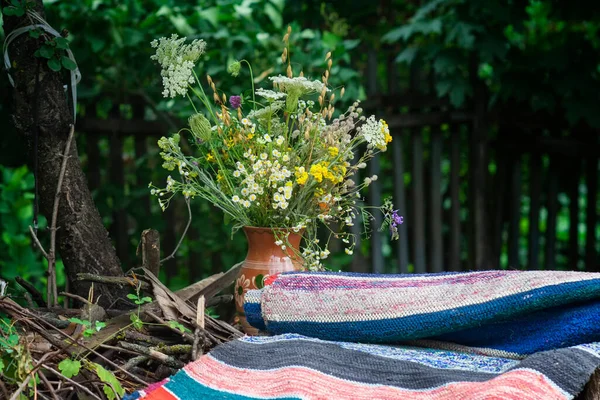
{"x":504,"y":313}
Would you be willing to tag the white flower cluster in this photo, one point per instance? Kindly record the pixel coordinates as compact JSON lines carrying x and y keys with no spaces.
{"x":177,"y":61}
{"x":298,"y":84}
{"x":374,"y":132}
{"x":265,"y":171}
{"x":270,"y":94}
{"x":266,"y":112}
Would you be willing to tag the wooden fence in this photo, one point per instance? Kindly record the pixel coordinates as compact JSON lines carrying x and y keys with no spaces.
{"x":499,"y":166}
{"x":463,"y":179}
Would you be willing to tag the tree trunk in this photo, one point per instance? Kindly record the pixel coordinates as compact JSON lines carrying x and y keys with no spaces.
{"x":82,"y":239}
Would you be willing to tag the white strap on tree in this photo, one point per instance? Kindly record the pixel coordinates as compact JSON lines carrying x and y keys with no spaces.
{"x":42,"y":24}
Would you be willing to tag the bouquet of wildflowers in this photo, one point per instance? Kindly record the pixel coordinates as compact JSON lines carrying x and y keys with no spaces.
{"x":274,"y":157}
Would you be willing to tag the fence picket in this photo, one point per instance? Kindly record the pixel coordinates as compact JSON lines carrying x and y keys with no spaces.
{"x":435,"y":206}
{"x":417,"y":220}
{"x":400,"y":201}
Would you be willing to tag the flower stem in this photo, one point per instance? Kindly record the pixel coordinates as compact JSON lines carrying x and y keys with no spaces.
{"x":251,"y":81}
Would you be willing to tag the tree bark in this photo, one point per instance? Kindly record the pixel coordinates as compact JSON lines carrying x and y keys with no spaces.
{"x":82,"y":239}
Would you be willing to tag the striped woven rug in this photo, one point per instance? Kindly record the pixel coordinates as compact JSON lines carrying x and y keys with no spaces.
{"x":487,"y":335}
{"x":507,"y":313}
{"x":296,"y":367}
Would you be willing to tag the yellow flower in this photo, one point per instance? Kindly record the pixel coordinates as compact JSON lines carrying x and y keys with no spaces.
{"x":250,"y":136}
{"x":318,"y":171}
{"x":386,"y":132}
{"x":333,"y":151}
{"x":229,"y":143}
{"x":210,"y":157}
{"x":301,"y":175}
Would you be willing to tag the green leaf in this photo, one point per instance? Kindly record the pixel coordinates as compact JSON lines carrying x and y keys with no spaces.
{"x":274,"y":15}
{"x":2,"y":366}
{"x":35,"y":33}
{"x":69,"y":368}
{"x":68,"y":63}
{"x":137,"y":322}
{"x":178,"y":326}
{"x":47,"y":51}
{"x":100,"y":325}
{"x":181,"y":25}
{"x":16,"y":3}
{"x":260,"y":281}
{"x":211,"y":15}
{"x":88,"y":333}
{"x":61,"y":43}
{"x":108,"y":377}
{"x":9,"y":11}
{"x":80,"y":322}
{"x":132,"y":296}
{"x":147,"y":299}
{"x":279,"y":4}
{"x":407,"y":55}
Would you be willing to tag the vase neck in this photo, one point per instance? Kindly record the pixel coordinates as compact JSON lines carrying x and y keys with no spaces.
{"x":262,"y":247}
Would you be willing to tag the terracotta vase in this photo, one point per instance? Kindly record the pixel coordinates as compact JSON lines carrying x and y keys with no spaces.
{"x":264,"y":259}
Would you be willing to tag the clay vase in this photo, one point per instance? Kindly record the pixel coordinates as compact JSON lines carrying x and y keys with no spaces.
{"x":263,"y":260}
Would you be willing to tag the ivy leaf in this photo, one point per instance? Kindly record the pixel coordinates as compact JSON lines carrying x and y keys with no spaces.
{"x":108,"y":377}
{"x":69,"y":368}
{"x":10,"y":11}
{"x":80,"y":322}
{"x":46,"y":51}
{"x":178,"y":326}
{"x":137,"y":322}
{"x":61,"y":43}
{"x":68,"y":63}
{"x":88,"y":333}
{"x":100,"y":325}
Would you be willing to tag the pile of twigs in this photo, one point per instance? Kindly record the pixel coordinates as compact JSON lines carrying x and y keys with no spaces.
{"x":147,"y":343}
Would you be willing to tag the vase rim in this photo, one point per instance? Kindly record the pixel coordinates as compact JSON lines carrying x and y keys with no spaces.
{"x":263,"y":229}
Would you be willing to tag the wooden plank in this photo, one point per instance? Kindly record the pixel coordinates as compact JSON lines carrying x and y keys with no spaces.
{"x":591,"y":257}
{"x":435,"y":206}
{"x":574,"y":215}
{"x":535,"y":189}
{"x":117,"y":178}
{"x":514,"y":213}
{"x":414,"y":120}
{"x":170,"y":241}
{"x":141,"y":151}
{"x":479,"y":177}
{"x":568,"y":146}
{"x":552,"y":208}
{"x":418,"y":198}
{"x":123,"y":127}
{"x":455,"y":236}
{"x":498,"y":197}
{"x":400,"y":202}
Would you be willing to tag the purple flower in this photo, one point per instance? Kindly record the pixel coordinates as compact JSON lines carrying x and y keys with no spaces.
{"x":235,"y":101}
{"x":397,"y":219}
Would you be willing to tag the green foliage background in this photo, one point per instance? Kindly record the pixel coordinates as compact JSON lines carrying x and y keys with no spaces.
{"x":535,"y":55}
